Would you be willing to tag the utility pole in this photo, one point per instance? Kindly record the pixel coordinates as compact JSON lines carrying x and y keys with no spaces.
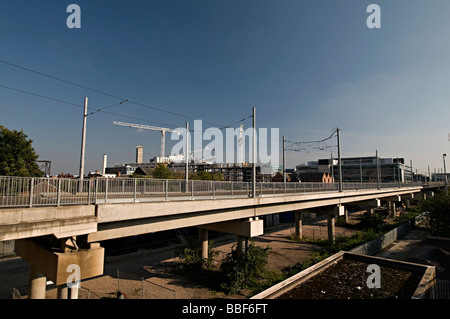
{"x":83,"y":146}
{"x":284,"y":159}
{"x":398,"y":171}
{"x":186,"y":157}
{"x":412,"y":174}
{"x":339,"y":159}
{"x":378,"y":170}
{"x":254,"y":157}
{"x":445,"y":174}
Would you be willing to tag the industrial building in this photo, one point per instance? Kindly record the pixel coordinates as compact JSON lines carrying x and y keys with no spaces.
{"x":230,"y":172}
{"x":362,"y":169}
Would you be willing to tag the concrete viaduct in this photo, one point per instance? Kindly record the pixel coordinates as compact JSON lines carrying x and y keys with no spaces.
{"x":52,"y":239}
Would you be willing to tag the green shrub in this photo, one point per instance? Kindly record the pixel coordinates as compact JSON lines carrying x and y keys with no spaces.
{"x":190,"y":256}
{"x":439,"y":213}
{"x":247,"y":272}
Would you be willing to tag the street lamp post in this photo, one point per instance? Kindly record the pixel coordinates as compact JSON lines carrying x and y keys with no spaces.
{"x":445,"y":173}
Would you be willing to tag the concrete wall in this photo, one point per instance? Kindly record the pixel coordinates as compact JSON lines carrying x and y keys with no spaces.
{"x":377,"y":244}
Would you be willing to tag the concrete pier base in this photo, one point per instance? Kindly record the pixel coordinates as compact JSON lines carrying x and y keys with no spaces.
{"x":298,"y":224}
{"x":203,"y":238}
{"x":331,"y":229}
{"x":240,"y":247}
{"x":62,"y":292}
{"x":46,"y":262}
{"x":37,"y":284}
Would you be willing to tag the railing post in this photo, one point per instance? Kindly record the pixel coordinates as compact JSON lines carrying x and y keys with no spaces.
{"x":213,"y":186}
{"x":192,"y":190}
{"x":31,"y":192}
{"x":106,"y":190}
{"x":96,"y":190}
{"x":166,"y":190}
{"x":231,"y":189}
{"x":89,"y":192}
{"x":58,"y":194}
{"x":260,"y":189}
{"x":248,"y":195}
{"x":134,"y":191}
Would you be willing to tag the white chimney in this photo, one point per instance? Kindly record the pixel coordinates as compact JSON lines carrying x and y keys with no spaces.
{"x":104,"y":164}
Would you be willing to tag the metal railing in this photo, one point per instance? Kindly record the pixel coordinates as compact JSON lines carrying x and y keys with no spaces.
{"x":30,"y":192}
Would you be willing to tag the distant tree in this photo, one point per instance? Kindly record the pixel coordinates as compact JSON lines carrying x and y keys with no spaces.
{"x":17,"y":156}
{"x":439,"y":213}
{"x":218,"y":177}
{"x":204,"y":175}
{"x":162,"y":171}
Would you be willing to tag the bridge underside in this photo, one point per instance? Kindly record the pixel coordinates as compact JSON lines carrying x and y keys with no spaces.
{"x":122,"y":220}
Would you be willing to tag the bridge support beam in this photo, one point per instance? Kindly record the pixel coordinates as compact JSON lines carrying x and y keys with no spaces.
{"x":59,"y":265}
{"x":244,"y":229}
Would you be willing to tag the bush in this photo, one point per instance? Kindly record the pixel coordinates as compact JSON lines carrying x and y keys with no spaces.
{"x":371,"y":221}
{"x":248,"y":272}
{"x":439,"y":213}
{"x":190,"y":256}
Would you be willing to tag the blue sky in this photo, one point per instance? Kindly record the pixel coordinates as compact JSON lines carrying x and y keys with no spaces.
{"x":307,"y":66}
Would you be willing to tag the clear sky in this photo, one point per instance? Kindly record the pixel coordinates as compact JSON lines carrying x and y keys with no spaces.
{"x":307,"y":66}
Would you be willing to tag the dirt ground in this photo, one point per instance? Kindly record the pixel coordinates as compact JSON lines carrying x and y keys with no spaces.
{"x":148,"y":274}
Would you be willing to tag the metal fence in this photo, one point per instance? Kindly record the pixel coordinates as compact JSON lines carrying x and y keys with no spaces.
{"x":132,"y":286}
{"x":7,"y":248}
{"x":29,"y":192}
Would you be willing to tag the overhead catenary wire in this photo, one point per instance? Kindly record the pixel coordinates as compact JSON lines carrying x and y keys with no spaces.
{"x":93,"y":110}
{"x":99,"y":92}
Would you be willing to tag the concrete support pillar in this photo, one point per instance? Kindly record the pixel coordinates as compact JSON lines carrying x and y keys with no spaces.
{"x":62,"y":292}
{"x":37,"y":284}
{"x":370,"y":210}
{"x":74,"y":291}
{"x":240,"y":248}
{"x":346,"y":215}
{"x":51,"y":264}
{"x":394,"y":209}
{"x":408,"y":203}
{"x":203,"y":238}
{"x":331,"y":229}
{"x":298,"y":225}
